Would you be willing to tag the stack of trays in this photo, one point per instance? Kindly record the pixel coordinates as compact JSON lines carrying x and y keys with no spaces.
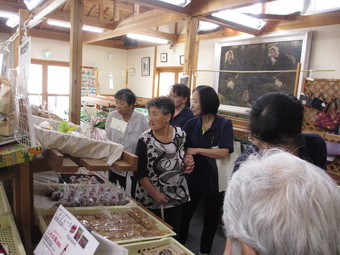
{"x":9,"y":235}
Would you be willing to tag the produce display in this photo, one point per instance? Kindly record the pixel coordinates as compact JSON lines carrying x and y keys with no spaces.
{"x":71,"y":195}
{"x":121,"y":225}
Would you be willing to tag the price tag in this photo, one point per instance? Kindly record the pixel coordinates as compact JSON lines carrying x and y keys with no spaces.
{"x":119,"y":125}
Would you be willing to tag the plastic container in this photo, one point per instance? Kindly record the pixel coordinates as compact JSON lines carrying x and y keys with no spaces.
{"x":139,"y":248}
{"x":9,"y":235}
{"x":41,"y":213}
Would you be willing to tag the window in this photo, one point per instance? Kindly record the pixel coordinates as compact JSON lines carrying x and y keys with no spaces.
{"x":166,"y":78}
{"x":49,"y":86}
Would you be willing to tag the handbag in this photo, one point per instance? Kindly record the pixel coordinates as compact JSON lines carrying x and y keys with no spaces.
{"x":328,"y":121}
{"x":318,"y":103}
{"x":225,"y":167}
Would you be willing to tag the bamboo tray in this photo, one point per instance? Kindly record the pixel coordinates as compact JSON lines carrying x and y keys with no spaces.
{"x":4,"y":204}
{"x":77,"y":211}
{"x":139,"y":248}
{"x":9,"y":235}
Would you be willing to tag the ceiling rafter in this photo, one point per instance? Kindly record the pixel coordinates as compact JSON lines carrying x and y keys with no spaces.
{"x":145,"y":20}
{"x":204,"y":7}
{"x":46,"y":8}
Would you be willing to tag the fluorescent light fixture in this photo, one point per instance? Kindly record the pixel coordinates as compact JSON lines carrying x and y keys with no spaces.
{"x":31,"y":4}
{"x":320,"y":6}
{"x":147,"y":38}
{"x":240,"y":18}
{"x":206,"y":26}
{"x":13,"y":18}
{"x":59,"y":23}
{"x":93,"y":29}
{"x":180,"y":3}
{"x":13,"y":22}
{"x":66,"y":24}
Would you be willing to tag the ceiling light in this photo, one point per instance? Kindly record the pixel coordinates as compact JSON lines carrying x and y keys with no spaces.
{"x":13,"y":18}
{"x":147,"y":38}
{"x":93,"y":29}
{"x":240,"y":18}
{"x":31,"y":4}
{"x":59,"y":23}
{"x":66,"y":24}
{"x":207,"y":26}
{"x":13,"y":22}
{"x":180,"y":3}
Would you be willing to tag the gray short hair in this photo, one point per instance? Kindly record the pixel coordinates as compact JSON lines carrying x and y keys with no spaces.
{"x":280,"y":204}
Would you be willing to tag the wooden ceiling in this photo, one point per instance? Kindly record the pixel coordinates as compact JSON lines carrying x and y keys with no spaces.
{"x":119,"y":17}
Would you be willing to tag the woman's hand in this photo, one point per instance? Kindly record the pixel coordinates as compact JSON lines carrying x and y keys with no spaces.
{"x":160,"y":198}
{"x":189,"y":164}
{"x":192,"y":151}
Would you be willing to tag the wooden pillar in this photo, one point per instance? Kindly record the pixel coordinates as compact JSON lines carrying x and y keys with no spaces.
{"x":23,"y":16}
{"x":76,"y":58}
{"x":189,"y":50}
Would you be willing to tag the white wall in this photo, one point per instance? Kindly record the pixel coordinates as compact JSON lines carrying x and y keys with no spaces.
{"x":92,"y":56}
{"x":173,"y":54}
{"x":140,"y":85}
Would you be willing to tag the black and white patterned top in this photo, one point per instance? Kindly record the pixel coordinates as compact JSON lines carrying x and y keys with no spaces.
{"x":162,"y":164}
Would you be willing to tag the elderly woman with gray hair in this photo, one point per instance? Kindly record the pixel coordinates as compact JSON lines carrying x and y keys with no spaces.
{"x":280,"y":204}
{"x":162,"y":187}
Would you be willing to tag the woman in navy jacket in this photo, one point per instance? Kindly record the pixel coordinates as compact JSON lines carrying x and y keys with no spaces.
{"x":205,"y":131}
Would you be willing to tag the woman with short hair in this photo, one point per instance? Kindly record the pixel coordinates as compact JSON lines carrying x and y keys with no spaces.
{"x":180,"y":95}
{"x":124,"y":126}
{"x":160,"y":150}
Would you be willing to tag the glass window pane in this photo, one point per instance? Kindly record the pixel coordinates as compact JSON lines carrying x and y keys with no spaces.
{"x":165,"y":81}
{"x":35,"y":100}
{"x":35,"y":79}
{"x":59,"y":105}
{"x":58,"y":80}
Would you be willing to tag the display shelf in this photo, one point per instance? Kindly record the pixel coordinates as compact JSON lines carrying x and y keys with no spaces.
{"x":4,"y":204}
{"x":9,"y":235}
{"x":139,"y":248}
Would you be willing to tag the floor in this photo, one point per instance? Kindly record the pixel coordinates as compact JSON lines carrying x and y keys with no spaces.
{"x":195,"y":232}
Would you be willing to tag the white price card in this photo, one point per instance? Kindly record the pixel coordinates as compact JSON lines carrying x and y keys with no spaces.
{"x":66,"y":236}
{"x":119,"y":125}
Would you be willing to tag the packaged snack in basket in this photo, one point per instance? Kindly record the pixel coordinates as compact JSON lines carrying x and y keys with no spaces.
{"x":169,"y":249}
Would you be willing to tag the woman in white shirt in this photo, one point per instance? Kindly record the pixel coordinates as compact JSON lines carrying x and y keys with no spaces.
{"x":124,"y":126}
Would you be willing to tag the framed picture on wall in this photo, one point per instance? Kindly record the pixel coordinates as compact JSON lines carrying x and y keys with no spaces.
{"x":181,"y":59}
{"x":253,"y":67}
{"x":132,"y":71}
{"x":145,"y":66}
{"x":164,"y":57}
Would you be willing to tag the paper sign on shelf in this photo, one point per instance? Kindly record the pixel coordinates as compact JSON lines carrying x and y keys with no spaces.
{"x":66,"y":236}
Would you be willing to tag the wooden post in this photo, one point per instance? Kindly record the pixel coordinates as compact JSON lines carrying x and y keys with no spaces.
{"x":297,"y":78}
{"x":189,"y":50}
{"x":76,"y":57}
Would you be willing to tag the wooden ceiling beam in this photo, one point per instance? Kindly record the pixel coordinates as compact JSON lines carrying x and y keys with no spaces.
{"x":46,"y":8}
{"x":87,"y":20}
{"x":204,"y":7}
{"x":145,"y":20}
{"x":158,"y":34}
{"x":231,"y":25}
{"x":273,"y":17}
{"x":11,"y":7}
{"x":162,"y":6}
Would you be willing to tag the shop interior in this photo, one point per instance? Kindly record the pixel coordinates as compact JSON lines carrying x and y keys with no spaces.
{"x":64,"y":60}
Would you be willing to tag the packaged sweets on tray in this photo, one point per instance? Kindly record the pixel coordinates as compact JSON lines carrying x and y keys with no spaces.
{"x":72,"y":195}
